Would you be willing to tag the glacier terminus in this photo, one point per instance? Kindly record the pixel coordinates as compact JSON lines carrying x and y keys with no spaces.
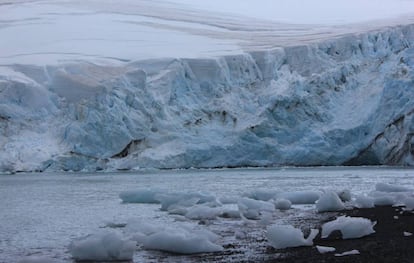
{"x":87,"y":86}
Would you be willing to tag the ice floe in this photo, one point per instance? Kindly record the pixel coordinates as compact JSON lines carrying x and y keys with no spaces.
{"x":329,"y":201}
{"x":284,"y":236}
{"x":102,"y":246}
{"x":350,"y":227}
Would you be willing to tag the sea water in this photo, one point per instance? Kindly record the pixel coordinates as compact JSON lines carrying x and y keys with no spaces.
{"x":41,"y":213}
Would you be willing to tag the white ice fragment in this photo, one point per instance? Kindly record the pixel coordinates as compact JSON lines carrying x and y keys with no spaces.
{"x":300,"y":197}
{"x":384,"y":200}
{"x":348,"y":253}
{"x":284,"y":236}
{"x":407,"y":234}
{"x":138,"y":230}
{"x":263,"y":195}
{"x":182,"y":241}
{"x":396,"y":217}
{"x":323,"y":250}
{"x":409,"y":203}
{"x":283,"y":204}
{"x":228,"y":199}
{"x":350,"y":227}
{"x":363,"y":201}
{"x":102,"y":246}
{"x":36,"y":259}
{"x":345,"y":195}
{"x":174,"y":200}
{"x":383,"y":187}
{"x":251,"y":209}
{"x":143,"y":196}
{"x":230,"y":213}
{"x":329,"y":201}
{"x":200,"y":212}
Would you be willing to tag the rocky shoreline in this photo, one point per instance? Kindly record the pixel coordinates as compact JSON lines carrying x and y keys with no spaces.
{"x":388,"y":244}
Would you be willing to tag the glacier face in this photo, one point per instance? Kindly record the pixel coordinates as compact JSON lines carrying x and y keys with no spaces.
{"x":347,"y":100}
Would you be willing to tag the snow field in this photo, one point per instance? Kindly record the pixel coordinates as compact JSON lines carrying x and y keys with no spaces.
{"x":195,"y":214}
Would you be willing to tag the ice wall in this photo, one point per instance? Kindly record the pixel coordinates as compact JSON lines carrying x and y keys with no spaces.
{"x":348,"y":100}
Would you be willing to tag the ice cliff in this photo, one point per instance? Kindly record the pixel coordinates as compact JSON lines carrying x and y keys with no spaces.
{"x":344,"y":101}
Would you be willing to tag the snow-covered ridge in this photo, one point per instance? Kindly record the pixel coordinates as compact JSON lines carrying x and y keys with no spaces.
{"x":346,"y":100}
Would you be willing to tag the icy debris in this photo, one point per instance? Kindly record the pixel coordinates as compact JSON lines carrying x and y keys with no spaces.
{"x":182,"y":241}
{"x":230,"y":213}
{"x":284,"y":236}
{"x":143,"y":196}
{"x":345,"y":195}
{"x":263,"y":195}
{"x":228,"y":199}
{"x":329,"y":201}
{"x":348,"y":253}
{"x":138,"y":230}
{"x":36,"y":259}
{"x":180,"y":238}
{"x":199,"y":212}
{"x":283,"y":204}
{"x":396,"y":217}
{"x":383,"y":187}
{"x":409,"y":203}
{"x":105,"y":245}
{"x":323,"y":250}
{"x":251,"y":209}
{"x":407,"y":234}
{"x":350,"y":227}
{"x":300,"y":197}
{"x":174,"y":200}
{"x":385,"y":200}
{"x":363,"y":201}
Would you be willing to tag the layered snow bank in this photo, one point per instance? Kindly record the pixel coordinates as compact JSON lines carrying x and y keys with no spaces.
{"x":347,"y":100}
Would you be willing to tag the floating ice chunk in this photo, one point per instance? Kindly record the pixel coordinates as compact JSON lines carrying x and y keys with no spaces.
{"x":143,"y":196}
{"x":407,"y":234}
{"x":106,"y":245}
{"x":323,"y":250}
{"x":329,"y":201}
{"x":184,"y":199}
{"x":363,"y":201}
{"x":200,"y":212}
{"x":350,"y":227}
{"x":384,"y":200}
{"x":263,"y":195}
{"x":36,"y":259}
{"x":283,"y":204}
{"x":300,"y":197}
{"x":284,"y":236}
{"x":344,"y":195}
{"x":182,"y":241}
{"x":348,"y":253}
{"x":138,"y":230}
{"x":383,"y":187}
{"x":251,"y":208}
{"x":228,"y":199}
{"x":409,"y":203}
{"x":230,"y":213}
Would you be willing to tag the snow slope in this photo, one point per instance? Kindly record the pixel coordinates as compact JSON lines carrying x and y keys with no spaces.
{"x":142,"y":84}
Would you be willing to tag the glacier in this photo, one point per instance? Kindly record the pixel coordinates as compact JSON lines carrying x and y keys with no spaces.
{"x":344,"y":99}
